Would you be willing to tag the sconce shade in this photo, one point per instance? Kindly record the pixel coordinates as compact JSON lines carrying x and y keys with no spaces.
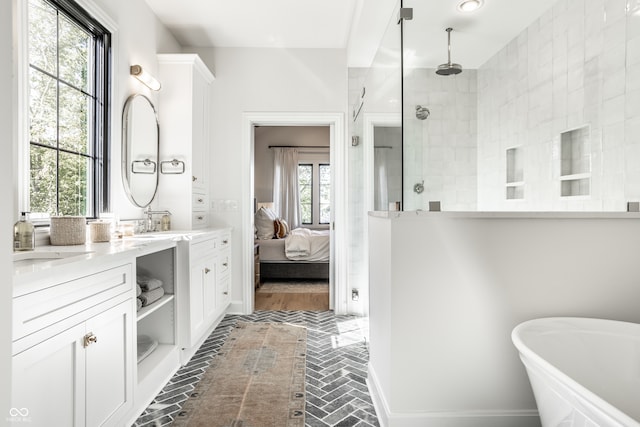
{"x":147,"y":79}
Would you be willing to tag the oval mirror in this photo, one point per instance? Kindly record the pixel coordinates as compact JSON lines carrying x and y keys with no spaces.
{"x":140,"y":150}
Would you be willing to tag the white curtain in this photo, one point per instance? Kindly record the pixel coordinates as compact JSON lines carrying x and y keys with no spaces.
{"x":286,"y":200}
{"x":380,"y":184}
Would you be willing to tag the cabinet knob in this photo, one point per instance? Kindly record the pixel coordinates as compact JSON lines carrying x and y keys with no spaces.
{"x":200,"y":217}
{"x":206,"y":270}
{"x":225,"y":264}
{"x":89,"y":339}
{"x":200,"y":200}
{"x":193,"y":178}
{"x":225,"y":241}
{"x":226,"y":293}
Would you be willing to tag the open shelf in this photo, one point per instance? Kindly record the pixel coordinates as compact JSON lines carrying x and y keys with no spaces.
{"x":145,"y":311}
{"x":155,"y":359}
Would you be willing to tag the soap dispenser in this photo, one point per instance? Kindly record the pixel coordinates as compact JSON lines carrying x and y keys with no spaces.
{"x":24,"y":236}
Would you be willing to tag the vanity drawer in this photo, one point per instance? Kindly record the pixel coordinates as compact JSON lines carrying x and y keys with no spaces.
{"x":60,"y":301}
{"x":200,"y":219}
{"x":199,"y":201}
{"x":224,"y":262}
{"x":224,"y":241}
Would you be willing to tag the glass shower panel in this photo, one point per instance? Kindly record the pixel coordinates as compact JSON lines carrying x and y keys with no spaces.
{"x":439,"y":118}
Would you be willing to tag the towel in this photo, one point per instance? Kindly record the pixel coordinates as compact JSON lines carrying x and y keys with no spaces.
{"x":148,"y":283}
{"x":138,"y":290}
{"x":149,"y":297}
{"x":139,"y":304}
{"x":297,"y":244}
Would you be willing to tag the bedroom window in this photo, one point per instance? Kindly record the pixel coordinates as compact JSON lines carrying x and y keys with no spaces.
{"x":305,"y":188}
{"x":314,"y":185}
{"x":69,"y":65}
{"x":324,"y":171}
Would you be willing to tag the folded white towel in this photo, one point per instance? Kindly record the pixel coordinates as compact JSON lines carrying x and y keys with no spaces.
{"x":148,"y":283}
{"x":138,"y":304}
{"x":138,"y":290}
{"x":149,"y":297}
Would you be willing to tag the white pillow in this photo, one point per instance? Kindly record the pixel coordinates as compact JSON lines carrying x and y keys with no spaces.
{"x":264,"y":223}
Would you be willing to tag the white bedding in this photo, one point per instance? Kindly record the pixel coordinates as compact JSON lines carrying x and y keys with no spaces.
{"x":303,"y":244}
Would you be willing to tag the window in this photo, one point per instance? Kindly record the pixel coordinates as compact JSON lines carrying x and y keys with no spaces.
{"x":305,"y":185}
{"x":314,"y":184}
{"x":325,"y":193}
{"x":69,"y":61}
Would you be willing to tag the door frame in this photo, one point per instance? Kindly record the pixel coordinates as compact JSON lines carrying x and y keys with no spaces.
{"x":338,"y":240}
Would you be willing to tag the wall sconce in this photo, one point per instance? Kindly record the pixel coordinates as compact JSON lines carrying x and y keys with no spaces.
{"x":147,"y":79}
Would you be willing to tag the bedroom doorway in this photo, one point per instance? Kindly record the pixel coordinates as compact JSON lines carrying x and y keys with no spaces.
{"x":314,"y":217}
{"x":292,"y":182}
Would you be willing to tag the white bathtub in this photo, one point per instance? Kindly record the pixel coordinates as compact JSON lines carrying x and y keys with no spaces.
{"x":584,"y":372}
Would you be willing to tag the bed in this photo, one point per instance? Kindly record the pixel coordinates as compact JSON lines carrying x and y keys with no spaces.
{"x":302,"y":255}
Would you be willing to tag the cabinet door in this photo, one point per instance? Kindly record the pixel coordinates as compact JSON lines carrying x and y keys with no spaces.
{"x":209,"y":295}
{"x":49,"y":380}
{"x":109,"y":365}
{"x":196,"y":300}
{"x":200,"y":141}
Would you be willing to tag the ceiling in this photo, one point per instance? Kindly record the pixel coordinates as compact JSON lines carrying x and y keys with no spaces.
{"x":356,"y":25}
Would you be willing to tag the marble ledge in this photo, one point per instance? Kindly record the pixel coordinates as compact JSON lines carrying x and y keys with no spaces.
{"x":502,"y":215}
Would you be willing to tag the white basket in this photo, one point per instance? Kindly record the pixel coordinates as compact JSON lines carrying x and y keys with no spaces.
{"x":68,"y":230}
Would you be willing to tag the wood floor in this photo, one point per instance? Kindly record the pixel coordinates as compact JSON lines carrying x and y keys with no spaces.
{"x":296,"y":300}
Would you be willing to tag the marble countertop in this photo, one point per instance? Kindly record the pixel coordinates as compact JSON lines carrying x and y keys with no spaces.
{"x":62,"y":261}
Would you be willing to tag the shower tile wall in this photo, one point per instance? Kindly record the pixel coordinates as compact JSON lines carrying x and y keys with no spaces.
{"x":577,"y":65}
{"x":442,"y":149}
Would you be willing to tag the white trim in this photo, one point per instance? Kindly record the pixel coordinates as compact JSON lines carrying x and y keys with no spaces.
{"x":21,"y":151}
{"x":337,"y":137}
{"x":370,"y":121}
{"x":452,"y":418}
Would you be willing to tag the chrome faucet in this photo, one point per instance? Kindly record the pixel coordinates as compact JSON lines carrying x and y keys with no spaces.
{"x":149,"y":224}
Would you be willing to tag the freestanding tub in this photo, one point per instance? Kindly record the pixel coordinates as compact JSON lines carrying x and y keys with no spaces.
{"x":583,"y":372}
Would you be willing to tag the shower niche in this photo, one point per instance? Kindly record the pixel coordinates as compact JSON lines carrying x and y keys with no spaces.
{"x":515,"y":174}
{"x":575,"y":163}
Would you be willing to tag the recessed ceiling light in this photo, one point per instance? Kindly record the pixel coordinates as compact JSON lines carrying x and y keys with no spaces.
{"x":469,"y":5}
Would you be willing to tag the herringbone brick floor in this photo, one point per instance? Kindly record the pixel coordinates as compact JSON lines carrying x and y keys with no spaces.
{"x":337,"y":357}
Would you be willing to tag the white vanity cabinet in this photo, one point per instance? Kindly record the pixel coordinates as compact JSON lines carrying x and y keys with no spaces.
{"x":72,"y":350}
{"x":204,"y":287}
{"x":183,"y":112}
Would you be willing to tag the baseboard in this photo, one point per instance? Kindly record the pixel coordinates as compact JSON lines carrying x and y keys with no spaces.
{"x":461,"y":418}
{"x":236,"y":307}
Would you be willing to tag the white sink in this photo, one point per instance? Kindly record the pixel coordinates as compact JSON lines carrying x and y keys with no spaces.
{"x":32,"y":257}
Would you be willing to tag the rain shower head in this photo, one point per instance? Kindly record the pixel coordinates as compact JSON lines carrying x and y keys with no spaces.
{"x":449,"y":68}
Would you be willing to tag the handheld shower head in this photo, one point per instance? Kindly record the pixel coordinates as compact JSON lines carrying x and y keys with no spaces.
{"x":449,"y":68}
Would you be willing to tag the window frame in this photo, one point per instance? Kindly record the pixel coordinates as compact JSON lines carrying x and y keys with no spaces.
{"x":315,"y":162}
{"x":104,"y":32}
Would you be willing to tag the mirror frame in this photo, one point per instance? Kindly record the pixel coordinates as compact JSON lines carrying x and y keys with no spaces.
{"x":126,"y":150}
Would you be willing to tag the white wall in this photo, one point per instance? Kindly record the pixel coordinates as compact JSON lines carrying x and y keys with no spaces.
{"x":7,"y":195}
{"x":448,"y":288}
{"x":576,"y":65}
{"x":261,"y":80}
{"x":283,"y":135}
